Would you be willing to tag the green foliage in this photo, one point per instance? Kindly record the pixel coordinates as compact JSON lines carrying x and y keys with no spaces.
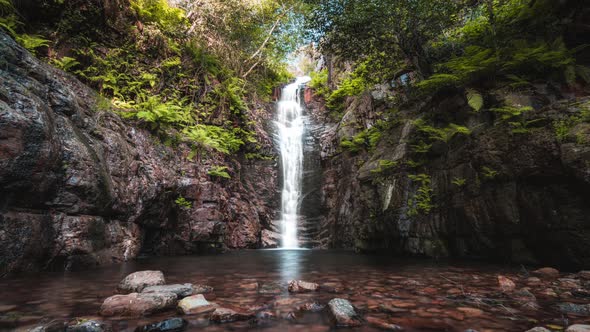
{"x":366,"y":139}
{"x":66,"y":63}
{"x":384,"y":166}
{"x":459,"y":182}
{"x":437,"y":82}
{"x":421,"y":201}
{"x":213,"y":137}
{"x":183,"y":203}
{"x":489,"y":173}
{"x":159,"y":12}
{"x":441,"y":134}
{"x":350,"y":86}
{"x":257,"y":156}
{"x":421,"y":147}
{"x":511,"y":112}
{"x":474,"y":99}
{"x":319,"y":82}
{"x":219,"y":171}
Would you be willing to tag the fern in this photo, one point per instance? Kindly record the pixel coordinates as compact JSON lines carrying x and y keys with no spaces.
{"x":421,"y":201}
{"x":441,"y":134}
{"x":219,"y":171}
{"x":474,"y":99}
{"x":66,"y":63}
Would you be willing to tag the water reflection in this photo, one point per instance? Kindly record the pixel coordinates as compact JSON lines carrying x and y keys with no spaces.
{"x":290,"y":264}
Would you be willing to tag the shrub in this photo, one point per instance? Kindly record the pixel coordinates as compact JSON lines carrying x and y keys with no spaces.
{"x":219,"y":171}
{"x":421,"y":201}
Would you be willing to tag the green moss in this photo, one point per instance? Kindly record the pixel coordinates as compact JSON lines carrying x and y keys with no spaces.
{"x":421,"y":202}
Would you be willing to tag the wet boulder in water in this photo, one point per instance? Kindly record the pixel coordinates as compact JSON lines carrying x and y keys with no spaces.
{"x":136,"y":304}
{"x":311,"y":307}
{"x":137,"y":281}
{"x":578,"y":328}
{"x":573,"y":308}
{"x":168,"y":325}
{"x":538,"y":329}
{"x":547,"y":272}
{"x":299,"y":286}
{"x":225,"y":315}
{"x":181,"y":290}
{"x":202,"y":289}
{"x":195,"y":304}
{"x":343,"y":313}
{"x":506,"y":284}
{"x":89,"y":326}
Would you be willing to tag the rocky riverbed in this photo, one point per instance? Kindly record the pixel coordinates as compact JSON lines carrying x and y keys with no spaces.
{"x":297,"y":291}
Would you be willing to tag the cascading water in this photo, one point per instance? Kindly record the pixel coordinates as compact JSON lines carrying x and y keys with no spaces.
{"x":291,"y":126}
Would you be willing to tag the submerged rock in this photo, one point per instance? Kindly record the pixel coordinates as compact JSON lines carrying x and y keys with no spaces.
{"x":343,"y":313}
{"x":202,"y":289}
{"x":383,"y":324}
{"x":89,"y":326}
{"x":137,"y":281}
{"x":53,"y":326}
{"x":573,"y":308}
{"x":137,"y":304}
{"x":225,"y":315}
{"x":547,"y":272}
{"x":181,"y":290}
{"x":300,"y":286}
{"x":311,"y":307}
{"x":195,"y":304}
{"x":168,"y":325}
{"x":506,"y":284}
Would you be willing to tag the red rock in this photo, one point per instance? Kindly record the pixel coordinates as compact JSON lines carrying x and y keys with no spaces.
{"x":249,"y":286}
{"x":225,"y":315}
{"x":137,"y":281}
{"x":506,"y":284}
{"x":382,"y":324}
{"x":547,"y":272}
{"x":299,"y":286}
{"x":136,"y":304}
{"x":456,"y":315}
{"x":470,"y":312}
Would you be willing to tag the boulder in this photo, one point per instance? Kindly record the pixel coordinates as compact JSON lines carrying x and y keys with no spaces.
{"x":573,"y":308}
{"x":202,"y":289}
{"x":195,"y":304}
{"x":181,"y":290}
{"x":299,"y":286}
{"x":89,"y":326}
{"x":137,"y":281}
{"x":137,"y":304}
{"x":168,"y":325}
{"x":538,"y":329}
{"x":343,"y":313}
{"x":578,"y":328}
{"x":225,"y":315}
{"x":506,"y":284}
{"x":547,"y":272}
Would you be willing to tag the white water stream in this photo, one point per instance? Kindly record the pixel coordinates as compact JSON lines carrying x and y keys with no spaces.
{"x":291,"y":127}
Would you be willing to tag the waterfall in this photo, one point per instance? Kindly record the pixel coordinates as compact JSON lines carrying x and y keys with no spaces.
{"x":290,"y":125}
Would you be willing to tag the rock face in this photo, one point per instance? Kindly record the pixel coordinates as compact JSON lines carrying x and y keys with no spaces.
{"x":137,"y":281}
{"x":497,"y":193}
{"x":136,"y":304}
{"x":81,"y":187}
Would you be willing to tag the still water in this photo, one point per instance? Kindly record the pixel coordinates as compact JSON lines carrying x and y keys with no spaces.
{"x":419,"y":295}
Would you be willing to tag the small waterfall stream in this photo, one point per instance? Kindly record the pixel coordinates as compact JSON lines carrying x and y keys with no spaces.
{"x":291,"y":128}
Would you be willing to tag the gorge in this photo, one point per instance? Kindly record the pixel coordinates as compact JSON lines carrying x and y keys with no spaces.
{"x":436,"y":161}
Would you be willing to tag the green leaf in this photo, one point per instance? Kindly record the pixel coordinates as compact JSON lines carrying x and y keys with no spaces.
{"x":474,"y":99}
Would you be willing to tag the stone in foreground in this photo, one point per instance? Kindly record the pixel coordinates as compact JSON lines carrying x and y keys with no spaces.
{"x":573,"y":308}
{"x":578,"y":328}
{"x":343,"y":313}
{"x":538,"y":329}
{"x":181,"y":290}
{"x":224,"y":315}
{"x":506,"y":284}
{"x":168,"y":325}
{"x":547,"y":272}
{"x":89,"y":326}
{"x":299,"y":286}
{"x":195,"y":304}
{"x":137,"y":281}
{"x":136,"y":304}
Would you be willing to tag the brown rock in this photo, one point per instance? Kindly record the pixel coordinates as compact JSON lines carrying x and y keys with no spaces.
{"x":311,"y":307}
{"x":547,"y":272}
{"x":382,"y":324}
{"x":470,"y":312}
{"x":181,"y":290}
{"x":506,"y":284}
{"x":299,"y":286}
{"x":225,"y":315}
{"x":578,"y":328}
{"x":584,"y":275}
{"x":195,"y":304}
{"x":136,"y":304}
{"x":137,"y":281}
